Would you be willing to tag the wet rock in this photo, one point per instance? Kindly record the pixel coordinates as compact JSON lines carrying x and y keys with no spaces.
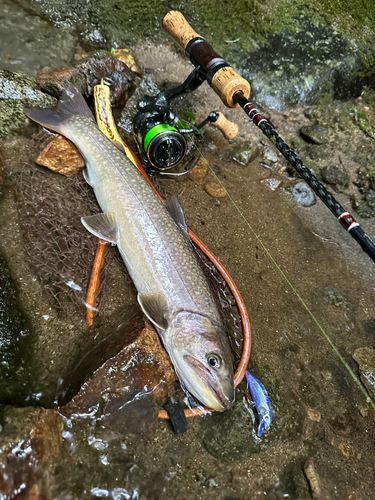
{"x":125,"y":56}
{"x":270,"y":154}
{"x":229,"y":436}
{"x":215,"y":190}
{"x":273,"y":184}
{"x":199,"y":172}
{"x":334,"y":297}
{"x":29,"y":42}
{"x":30,"y":444}
{"x":88,"y":73}
{"x":15,"y":349}
{"x":315,"y":134}
{"x":365,"y":358}
{"x":128,"y":386}
{"x":114,"y":72}
{"x":16,"y":91}
{"x":61,"y":156}
{"x":53,"y":80}
{"x":303,"y":194}
{"x":294,"y":67}
{"x":245,"y":153}
{"x":334,"y":176}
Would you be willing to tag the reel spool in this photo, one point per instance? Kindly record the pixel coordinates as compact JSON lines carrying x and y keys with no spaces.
{"x":161,"y":144}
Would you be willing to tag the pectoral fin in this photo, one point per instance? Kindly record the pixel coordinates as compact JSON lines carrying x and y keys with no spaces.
{"x":103,"y":226}
{"x":154,"y":305}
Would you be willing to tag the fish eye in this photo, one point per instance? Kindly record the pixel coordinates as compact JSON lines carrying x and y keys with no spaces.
{"x":214,"y":360}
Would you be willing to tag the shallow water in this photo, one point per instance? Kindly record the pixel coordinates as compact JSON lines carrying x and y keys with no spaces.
{"x":309,"y":292}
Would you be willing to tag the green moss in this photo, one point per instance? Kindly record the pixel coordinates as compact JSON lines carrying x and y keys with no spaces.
{"x":222,"y":22}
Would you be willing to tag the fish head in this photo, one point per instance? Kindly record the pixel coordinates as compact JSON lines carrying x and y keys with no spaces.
{"x":201,"y":357}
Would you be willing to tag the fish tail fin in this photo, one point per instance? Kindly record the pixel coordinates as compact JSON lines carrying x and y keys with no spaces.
{"x":71,"y":103}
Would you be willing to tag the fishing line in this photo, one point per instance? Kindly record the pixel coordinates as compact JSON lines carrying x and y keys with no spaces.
{"x":295,"y":291}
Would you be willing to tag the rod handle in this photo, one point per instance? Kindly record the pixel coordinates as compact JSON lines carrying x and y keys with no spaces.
{"x":227,"y":128}
{"x":224,"y":80}
{"x":178,"y":28}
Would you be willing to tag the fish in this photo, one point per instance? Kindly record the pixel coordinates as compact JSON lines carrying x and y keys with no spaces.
{"x":152,"y":238}
{"x":261,"y":401}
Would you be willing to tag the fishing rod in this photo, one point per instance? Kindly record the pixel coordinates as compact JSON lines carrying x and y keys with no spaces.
{"x":234,"y":91}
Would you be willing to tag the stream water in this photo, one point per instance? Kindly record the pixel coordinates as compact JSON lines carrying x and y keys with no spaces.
{"x":308,"y":288}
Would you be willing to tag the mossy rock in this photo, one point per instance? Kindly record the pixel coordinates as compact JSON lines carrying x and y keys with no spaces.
{"x":16,"y":91}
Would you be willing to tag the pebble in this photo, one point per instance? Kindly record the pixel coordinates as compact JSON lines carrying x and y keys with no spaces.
{"x":215,"y":190}
{"x":270,"y":154}
{"x":313,"y":478}
{"x":199,"y":172}
{"x":315,"y":133}
{"x":334,"y":176}
{"x":333,"y":297}
{"x":365,"y":358}
{"x":313,"y":415}
{"x":303,"y":194}
{"x":246,"y":153}
{"x":273,"y":184}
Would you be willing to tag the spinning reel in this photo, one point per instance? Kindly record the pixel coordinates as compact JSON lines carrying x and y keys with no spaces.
{"x":163,"y":139}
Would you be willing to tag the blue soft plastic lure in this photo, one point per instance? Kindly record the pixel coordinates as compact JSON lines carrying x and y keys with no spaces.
{"x":261,"y":401}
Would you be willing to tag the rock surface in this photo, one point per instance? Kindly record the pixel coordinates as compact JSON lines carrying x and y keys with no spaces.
{"x":127,"y":387}
{"x":30,"y":443}
{"x":303,"y":194}
{"x":334,"y":176}
{"x":17,"y":91}
{"x":61,"y":156}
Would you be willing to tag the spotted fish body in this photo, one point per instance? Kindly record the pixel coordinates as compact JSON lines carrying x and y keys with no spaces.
{"x":172,"y":289}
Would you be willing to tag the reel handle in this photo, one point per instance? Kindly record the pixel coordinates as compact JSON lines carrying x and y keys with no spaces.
{"x":224,"y":80}
{"x":227,"y":128}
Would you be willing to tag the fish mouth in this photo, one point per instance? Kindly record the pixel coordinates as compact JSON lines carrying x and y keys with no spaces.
{"x":205,"y":376}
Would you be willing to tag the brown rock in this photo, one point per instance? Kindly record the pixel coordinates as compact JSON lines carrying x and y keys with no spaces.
{"x":199,"y":172}
{"x":313,"y":415}
{"x":313,"y":478}
{"x":29,"y":447}
{"x":61,"y":156}
{"x":127,"y":387}
{"x":215,"y":190}
{"x":53,"y":80}
{"x":124,"y":56}
{"x":114,"y":73}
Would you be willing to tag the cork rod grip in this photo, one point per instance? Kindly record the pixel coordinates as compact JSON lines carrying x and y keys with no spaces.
{"x":227,"y":128}
{"x":178,"y":28}
{"x":225,"y":81}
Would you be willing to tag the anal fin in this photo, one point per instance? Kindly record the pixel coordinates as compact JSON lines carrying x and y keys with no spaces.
{"x":103,"y":226}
